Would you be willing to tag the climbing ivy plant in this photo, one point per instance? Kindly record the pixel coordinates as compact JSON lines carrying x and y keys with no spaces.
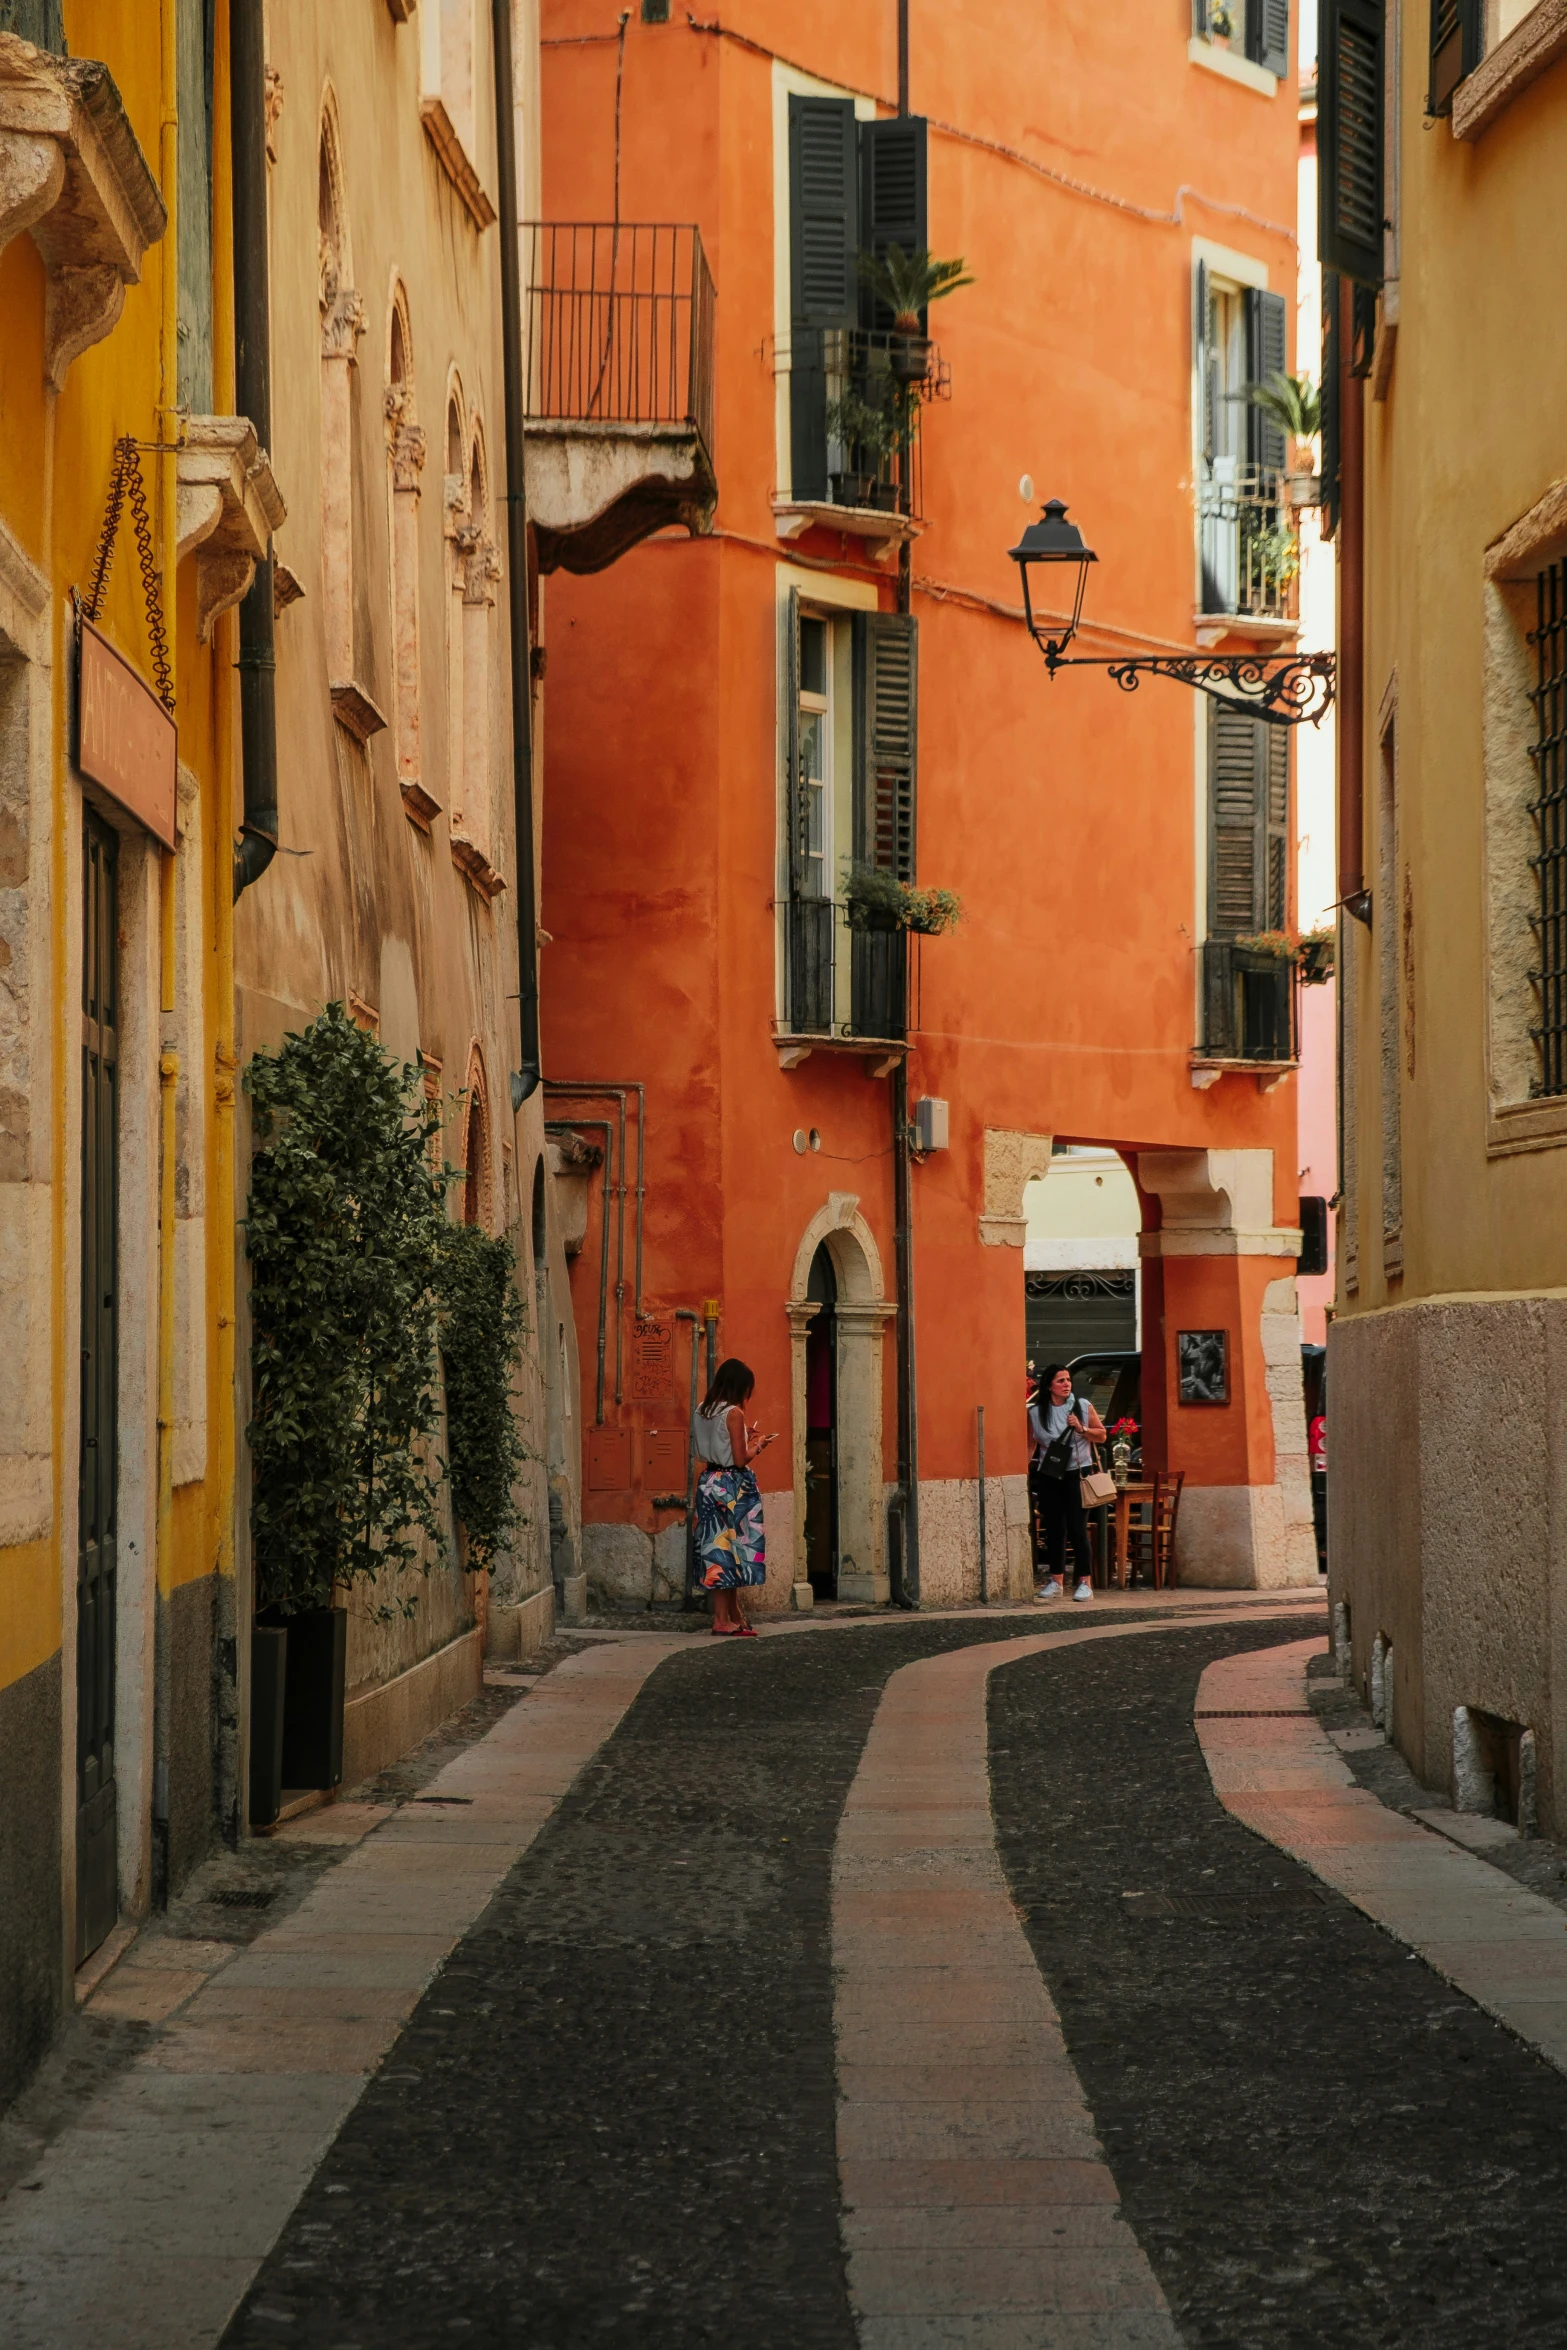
{"x":344,"y":1233}
{"x":481,"y":1325}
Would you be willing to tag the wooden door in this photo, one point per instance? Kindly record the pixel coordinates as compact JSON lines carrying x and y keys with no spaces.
{"x":97,"y":1899}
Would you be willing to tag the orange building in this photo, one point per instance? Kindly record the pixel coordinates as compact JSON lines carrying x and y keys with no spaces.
{"x":760,"y":736}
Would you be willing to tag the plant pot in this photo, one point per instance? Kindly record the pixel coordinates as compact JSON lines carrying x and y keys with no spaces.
{"x":887,"y":497}
{"x":1303,"y":489}
{"x":268,"y":1667}
{"x":853,"y":489}
{"x":313,"y":1698}
{"x":1316,"y":962}
{"x":882,"y":918}
{"x":908,"y":356}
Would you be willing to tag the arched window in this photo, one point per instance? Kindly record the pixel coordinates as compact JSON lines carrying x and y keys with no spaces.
{"x":342,"y":323}
{"x":476,"y":1151}
{"x":405,"y":458}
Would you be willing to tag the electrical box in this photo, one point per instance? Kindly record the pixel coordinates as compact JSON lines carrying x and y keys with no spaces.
{"x":930,"y":1123}
{"x":664,"y":1459}
{"x":609,"y":1460}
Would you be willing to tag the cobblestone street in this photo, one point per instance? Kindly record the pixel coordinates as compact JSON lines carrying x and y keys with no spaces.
{"x":705,"y":1998}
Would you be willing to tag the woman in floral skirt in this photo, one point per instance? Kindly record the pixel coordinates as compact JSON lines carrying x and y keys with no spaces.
{"x":730,"y":1544}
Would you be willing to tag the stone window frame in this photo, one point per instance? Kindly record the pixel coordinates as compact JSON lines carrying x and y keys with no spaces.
{"x":406,"y":450}
{"x":1510,"y":66}
{"x":342,"y":324}
{"x":450,"y":63}
{"x":1516,"y":1120}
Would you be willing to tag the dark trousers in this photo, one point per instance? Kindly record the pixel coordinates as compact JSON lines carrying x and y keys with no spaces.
{"x":1061,"y":1520}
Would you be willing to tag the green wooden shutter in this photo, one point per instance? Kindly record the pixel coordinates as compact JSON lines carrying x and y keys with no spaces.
{"x":886,"y":736}
{"x":1265,"y":332}
{"x":1332,"y":398}
{"x":1207,"y":360}
{"x":39,"y":21}
{"x":1457,"y":46}
{"x":1349,"y":139}
{"x":1236,"y":862}
{"x":892,"y":197}
{"x":1275,"y":749}
{"x":1268,"y":35}
{"x":824,"y":236}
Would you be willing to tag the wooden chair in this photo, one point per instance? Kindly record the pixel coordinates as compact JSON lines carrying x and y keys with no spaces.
{"x":1166,"y":1508}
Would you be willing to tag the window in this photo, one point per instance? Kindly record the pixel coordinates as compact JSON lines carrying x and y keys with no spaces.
{"x":448,"y":103}
{"x":405,"y":460}
{"x":1549,"y":810}
{"x":1258,"y":30}
{"x":1350,"y":196}
{"x":1248,"y":553}
{"x":850,"y":758}
{"x":853,"y":186}
{"x":1248,"y":993}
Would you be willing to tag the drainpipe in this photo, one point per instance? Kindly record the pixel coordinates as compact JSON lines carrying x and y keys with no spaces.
{"x":688,"y":1596}
{"x":617,"y":1092}
{"x":168,"y":1058}
{"x":253,"y":398}
{"x":530,"y":1066}
{"x":604,"y":1126}
{"x":1352,"y":890}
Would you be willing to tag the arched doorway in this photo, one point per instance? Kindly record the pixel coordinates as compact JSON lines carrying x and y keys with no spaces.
{"x":821,"y":1429}
{"x":837,"y":1393}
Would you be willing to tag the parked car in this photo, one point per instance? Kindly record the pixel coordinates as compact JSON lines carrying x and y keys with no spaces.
{"x":1113,"y":1384}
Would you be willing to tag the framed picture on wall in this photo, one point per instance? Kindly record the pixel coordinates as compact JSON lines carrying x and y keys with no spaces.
{"x":1204,"y":1360}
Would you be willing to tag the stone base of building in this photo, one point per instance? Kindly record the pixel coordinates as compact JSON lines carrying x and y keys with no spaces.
{"x":521,"y":1629}
{"x":381,"y":1724}
{"x":32,"y":1962}
{"x":1447,"y":1523}
{"x":1244,"y":1538}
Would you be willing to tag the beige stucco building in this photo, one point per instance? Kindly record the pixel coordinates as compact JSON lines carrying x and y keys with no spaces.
{"x":1448,"y":1540}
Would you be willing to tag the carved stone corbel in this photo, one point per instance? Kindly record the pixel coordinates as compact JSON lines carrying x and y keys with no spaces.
{"x":72,"y":172}
{"x":229,"y":507}
{"x":480,"y":568}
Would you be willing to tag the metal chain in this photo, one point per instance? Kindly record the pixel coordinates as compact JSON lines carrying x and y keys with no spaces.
{"x":127,"y":481}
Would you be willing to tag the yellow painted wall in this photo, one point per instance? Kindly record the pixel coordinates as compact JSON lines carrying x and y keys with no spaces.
{"x":1472,"y":434}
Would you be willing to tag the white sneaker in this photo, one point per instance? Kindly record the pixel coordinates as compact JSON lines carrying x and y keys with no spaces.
{"x":1050,"y":1589}
{"x":1085,"y":1590}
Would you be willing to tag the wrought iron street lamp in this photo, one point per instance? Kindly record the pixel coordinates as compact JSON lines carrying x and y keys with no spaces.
{"x":1284,"y":688}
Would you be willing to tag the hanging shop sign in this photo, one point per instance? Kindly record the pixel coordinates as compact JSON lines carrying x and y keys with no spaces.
{"x":126,"y":742}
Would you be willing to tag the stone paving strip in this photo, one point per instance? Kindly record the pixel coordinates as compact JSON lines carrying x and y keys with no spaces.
{"x":978,"y":2208}
{"x":1278,"y":1772}
{"x":142,"y":2226}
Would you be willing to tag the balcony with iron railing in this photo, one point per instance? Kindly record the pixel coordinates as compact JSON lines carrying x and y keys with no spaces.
{"x":1248,"y":544}
{"x":1250,"y":1012}
{"x":857,"y":397}
{"x":618,"y":325}
{"x":823,"y":951}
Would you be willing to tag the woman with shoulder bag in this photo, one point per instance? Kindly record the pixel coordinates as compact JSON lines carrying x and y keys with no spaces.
{"x":1065,"y":1429}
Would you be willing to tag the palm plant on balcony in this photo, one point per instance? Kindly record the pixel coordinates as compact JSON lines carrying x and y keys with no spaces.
{"x":908,"y":283}
{"x":1294,"y":403}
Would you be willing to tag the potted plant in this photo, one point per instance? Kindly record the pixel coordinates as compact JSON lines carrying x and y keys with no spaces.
{"x":1270,"y":946}
{"x":343,"y":1232}
{"x":1123,"y":1435}
{"x":865,"y":431}
{"x":907,"y":284}
{"x":1316,"y":956}
{"x":877,"y":900}
{"x":1295,"y":404}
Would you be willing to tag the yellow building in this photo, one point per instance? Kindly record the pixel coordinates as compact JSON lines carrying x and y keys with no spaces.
{"x":1448,"y":1531}
{"x":116,"y":992}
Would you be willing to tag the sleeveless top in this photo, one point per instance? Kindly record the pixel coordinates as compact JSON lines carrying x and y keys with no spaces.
{"x":712,"y":1437}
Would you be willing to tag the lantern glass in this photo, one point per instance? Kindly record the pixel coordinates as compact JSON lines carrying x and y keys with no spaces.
{"x":1051,"y":540}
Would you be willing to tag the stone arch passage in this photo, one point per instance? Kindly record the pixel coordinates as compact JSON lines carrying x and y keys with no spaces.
{"x":861,"y":1311}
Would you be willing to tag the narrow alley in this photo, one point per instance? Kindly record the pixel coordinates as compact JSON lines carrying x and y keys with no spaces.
{"x":705,"y":1997}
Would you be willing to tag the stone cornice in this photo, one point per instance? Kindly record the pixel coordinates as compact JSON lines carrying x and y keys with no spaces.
{"x":1530,"y":49}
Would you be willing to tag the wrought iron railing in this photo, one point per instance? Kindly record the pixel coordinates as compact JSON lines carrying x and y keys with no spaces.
{"x":1249,"y":548}
{"x":889,"y":380}
{"x":620,"y":323}
{"x":1248,"y":1004}
{"x":878,"y":975}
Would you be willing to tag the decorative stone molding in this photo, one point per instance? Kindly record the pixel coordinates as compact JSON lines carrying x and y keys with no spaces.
{"x":354,"y":710}
{"x":342,"y":323}
{"x":1215,"y":1204}
{"x":1012,"y":1161}
{"x":286,"y":589}
{"x":72,"y":172}
{"x":597,"y":487}
{"x":274,"y":110}
{"x":480,"y":568}
{"x":229,"y":507}
{"x":443,"y":137}
{"x":410,"y":447}
{"x":1530,"y":49}
{"x":471,"y":861}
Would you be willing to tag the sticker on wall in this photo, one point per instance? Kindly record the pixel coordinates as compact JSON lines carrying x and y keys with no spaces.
{"x":1204,"y":1360}
{"x":652,"y":1360}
